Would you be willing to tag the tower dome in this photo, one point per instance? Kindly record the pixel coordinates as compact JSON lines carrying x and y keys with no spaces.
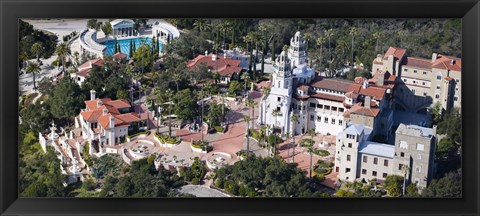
{"x":282,"y":64}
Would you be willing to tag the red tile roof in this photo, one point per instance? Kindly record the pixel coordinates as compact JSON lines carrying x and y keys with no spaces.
{"x":327,"y":97}
{"x":332,"y":84}
{"x":303,"y":87}
{"x":442,"y":62}
{"x":398,"y":53}
{"x":89,"y":64}
{"x":224,"y":66}
{"x":448,"y":63}
{"x":119,"y":55}
{"x":418,"y":63}
{"x":84,"y":72}
{"x":361,"y":110}
{"x":95,"y":112}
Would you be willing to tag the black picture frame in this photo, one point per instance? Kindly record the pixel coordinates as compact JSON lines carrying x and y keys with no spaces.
{"x":11,"y":11}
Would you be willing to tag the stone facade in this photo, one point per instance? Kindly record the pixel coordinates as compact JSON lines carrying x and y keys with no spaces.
{"x":422,"y":82}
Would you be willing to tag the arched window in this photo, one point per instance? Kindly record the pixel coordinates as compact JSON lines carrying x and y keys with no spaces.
{"x":439,"y":76}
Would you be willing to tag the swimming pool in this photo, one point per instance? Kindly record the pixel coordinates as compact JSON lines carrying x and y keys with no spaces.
{"x":125,"y":45}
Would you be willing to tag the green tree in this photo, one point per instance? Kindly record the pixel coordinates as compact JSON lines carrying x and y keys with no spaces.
{"x":449,"y":186}
{"x":353,"y":33}
{"x":393,"y":185}
{"x":33,"y":68}
{"x":202,"y":25}
{"x":93,"y":24}
{"x":67,"y":100}
{"x":107,"y":28}
{"x":187,"y":107}
{"x":37,"y":49}
{"x":234,"y":87}
{"x":63,"y":51}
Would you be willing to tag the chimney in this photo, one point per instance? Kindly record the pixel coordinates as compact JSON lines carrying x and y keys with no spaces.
{"x":99,"y":103}
{"x":366,"y":102}
{"x":381,"y":79}
{"x":206,"y":53}
{"x":379,"y":58}
{"x":112,"y":121}
{"x":214,"y":57}
{"x":452,"y":61}
{"x":224,"y":55}
{"x":434,"y":57}
{"x":92,"y":94}
{"x":105,"y":111}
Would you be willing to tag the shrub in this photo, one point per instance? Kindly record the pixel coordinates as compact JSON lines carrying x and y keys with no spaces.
{"x":321,"y":152}
{"x":219,"y":129}
{"x":195,"y":181}
{"x":219,"y":183}
{"x":254,"y":134}
{"x":199,"y":144}
{"x":166,"y":139}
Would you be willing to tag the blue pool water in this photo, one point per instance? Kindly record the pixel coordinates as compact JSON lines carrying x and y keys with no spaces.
{"x":125,"y":45}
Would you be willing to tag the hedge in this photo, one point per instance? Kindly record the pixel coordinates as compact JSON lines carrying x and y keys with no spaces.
{"x":254,"y":134}
{"x":166,"y":139}
{"x":322,"y":168}
{"x":321,"y":152}
{"x":199,"y":144}
{"x":219,"y":129}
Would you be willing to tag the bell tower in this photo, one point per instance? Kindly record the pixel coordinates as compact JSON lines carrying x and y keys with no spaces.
{"x":282,"y":78}
{"x":297,"y":51}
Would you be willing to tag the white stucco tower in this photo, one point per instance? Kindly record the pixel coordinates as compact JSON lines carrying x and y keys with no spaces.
{"x":280,"y":95}
{"x":297,"y":52}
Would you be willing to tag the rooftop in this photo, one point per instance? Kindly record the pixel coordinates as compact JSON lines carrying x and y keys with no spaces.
{"x":415,"y":130}
{"x":378,"y":149}
{"x":224,"y":66}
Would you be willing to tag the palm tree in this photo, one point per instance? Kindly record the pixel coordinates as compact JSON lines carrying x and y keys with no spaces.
{"x":309,"y":144}
{"x":353,"y":33}
{"x":224,"y":27}
{"x":312,"y":132}
{"x":177,"y":77}
{"x":33,"y":68}
{"x":267,"y":140}
{"x":402,"y":33}
{"x":202,"y":25}
{"x":287,"y":135}
{"x":168,"y":95}
{"x":37,"y":49}
{"x":63,"y":52}
{"x":377,"y":35}
{"x":246,"y":78}
{"x":406,"y":170}
{"x":342,"y":45}
{"x":308,"y":37}
{"x":320,"y":41}
{"x":251,"y":103}
{"x":247,"y":120}
{"x":159,"y":99}
{"x":294,"y":120}
{"x":129,"y":70}
{"x":329,"y":33}
{"x":248,"y":40}
{"x":257,"y":38}
{"x":275,"y":114}
{"x":262,"y":134}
